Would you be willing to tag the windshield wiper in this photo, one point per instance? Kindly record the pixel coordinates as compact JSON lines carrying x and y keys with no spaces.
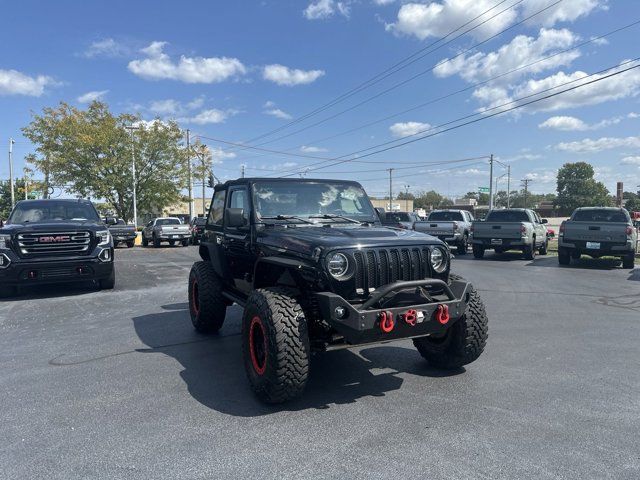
{"x":287,"y":217}
{"x":332,"y":216}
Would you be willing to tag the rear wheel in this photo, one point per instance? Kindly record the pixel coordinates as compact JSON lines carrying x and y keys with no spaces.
{"x":207,"y":306}
{"x":530,"y":250}
{"x":145,"y":241}
{"x":156,"y":241}
{"x":108,"y":283}
{"x":131,"y":243}
{"x":564,"y":257}
{"x":629,"y":261}
{"x":463,"y":245}
{"x":185,"y":242}
{"x":478,"y":251}
{"x":463,"y":343}
{"x":275,"y":344}
{"x":544,"y":248}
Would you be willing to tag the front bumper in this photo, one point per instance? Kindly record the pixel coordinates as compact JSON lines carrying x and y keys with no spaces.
{"x":363,"y":324}
{"x":32,"y":271}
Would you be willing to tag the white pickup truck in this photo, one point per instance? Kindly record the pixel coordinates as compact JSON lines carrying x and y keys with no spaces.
{"x":451,"y":226}
{"x":510,"y":229}
{"x":166,"y":229}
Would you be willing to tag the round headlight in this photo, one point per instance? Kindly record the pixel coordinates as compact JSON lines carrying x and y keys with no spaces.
{"x":338,"y":265}
{"x":438,"y":260}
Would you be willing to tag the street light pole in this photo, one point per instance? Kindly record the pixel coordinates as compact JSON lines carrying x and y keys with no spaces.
{"x":13,"y":195}
{"x":133,"y":173}
{"x":491,"y":182}
{"x":406,"y":198}
{"x":190,"y":176}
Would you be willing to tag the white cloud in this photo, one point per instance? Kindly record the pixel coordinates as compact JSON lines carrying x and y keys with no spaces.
{"x":589,"y":145}
{"x":92,"y":96}
{"x":166,"y":107}
{"x":271,"y":109}
{"x":106,"y":47}
{"x":383,"y":2}
{"x":158,"y":66}
{"x":289,"y":77}
{"x":634,"y":160}
{"x":212,"y":115}
{"x":566,"y":11}
{"x":306,"y":149}
{"x":13,"y":82}
{"x":406,"y":129}
{"x":564,"y":123}
{"x":218,"y":155}
{"x":323,"y":9}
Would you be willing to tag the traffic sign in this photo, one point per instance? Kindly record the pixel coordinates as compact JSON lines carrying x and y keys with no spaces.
{"x":483,"y":189}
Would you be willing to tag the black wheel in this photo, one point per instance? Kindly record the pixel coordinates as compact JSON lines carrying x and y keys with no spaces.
{"x":108,"y":283}
{"x":207,"y":306}
{"x":498,"y":250}
{"x":464,"y":341}
{"x":629,"y":261}
{"x":275,"y":344}
{"x":195,"y":241}
{"x":575,"y":254}
{"x":131,"y":243}
{"x":564,"y":257}
{"x":6,"y":292}
{"x":463,"y":245}
{"x":544,"y":248}
{"x":185,"y":242}
{"x":172,"y":243}
{"x":145,"y":241}
{"x":530,"y":251}
{"x":478,"y":251}
{"x":156,"y":241}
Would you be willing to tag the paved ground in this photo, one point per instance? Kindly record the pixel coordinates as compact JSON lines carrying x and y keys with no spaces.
{"x":117,"y":385}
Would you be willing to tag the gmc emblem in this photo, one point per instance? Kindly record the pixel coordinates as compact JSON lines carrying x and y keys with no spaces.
{"x":56,"y":239}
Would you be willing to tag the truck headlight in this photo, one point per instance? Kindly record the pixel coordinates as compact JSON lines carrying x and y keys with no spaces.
{"x":438,"y":260}
{"x":104,"y":237}
{"x":4,"y":242}
{"x":338,"y":265}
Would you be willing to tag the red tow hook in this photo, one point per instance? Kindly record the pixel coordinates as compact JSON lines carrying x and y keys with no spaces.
{"x":386,"y":322}
{"x":442,"y":314}
{"x":411,"y":317}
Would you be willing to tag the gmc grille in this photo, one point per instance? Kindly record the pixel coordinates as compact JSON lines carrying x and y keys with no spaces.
{"x":54,"y":243}
{"x":377,"y":267}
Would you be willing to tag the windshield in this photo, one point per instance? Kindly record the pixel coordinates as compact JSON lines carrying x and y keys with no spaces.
{"x":600,"y":216}
{"x":508,"y":216}
{"x":445,"y":217}
{"x":309,"y":199}
{"x":168,"y":221}
{"x":52,"y":211}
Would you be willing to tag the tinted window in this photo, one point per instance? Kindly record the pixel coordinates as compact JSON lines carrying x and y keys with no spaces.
{"x":600,"y":216}
{"x":508,"y":216}
{"x":120,"y":222}
{"x":200,"y":221}
{"x":216,"y":213}
{"x":52,"y":211}
{"x":445,"y":217}
{"x":397,"y":217}
{"x":240,"y":199}
{"x":168,"y":221}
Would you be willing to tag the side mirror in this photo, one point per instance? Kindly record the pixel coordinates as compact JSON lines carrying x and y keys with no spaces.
{"x":381,"y":213}
{"x":544,"y":220}
{"x":111,"y":221}
{"x":234,"y":217}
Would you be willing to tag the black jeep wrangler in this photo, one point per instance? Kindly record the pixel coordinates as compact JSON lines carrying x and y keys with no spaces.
{"x":315,"y":270}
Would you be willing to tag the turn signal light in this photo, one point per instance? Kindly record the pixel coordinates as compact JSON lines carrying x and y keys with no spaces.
{"x":629,"y":231}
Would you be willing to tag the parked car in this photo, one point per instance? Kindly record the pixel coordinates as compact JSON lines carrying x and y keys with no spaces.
{"x":121,"y":232}
{"x":598,"y":231}
{"x":196,"y":227}
{"x":451,"y":226}
{"x":404,"y":220}
{"x":54,"y":241}
{"x":510,"y":229}
{"x":166,"y":229}
{"x":315,"y":270}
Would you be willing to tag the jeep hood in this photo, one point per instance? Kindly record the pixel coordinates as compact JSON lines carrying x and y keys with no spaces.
{"x":305,"y":239}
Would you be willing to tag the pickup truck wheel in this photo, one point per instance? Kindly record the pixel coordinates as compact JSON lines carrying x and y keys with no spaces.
{"x":629,"y":261}
{"x":544,"y":248}
{"x":478,"y":251}
{"x":131,"y":243}
{"x":145,"y":241}
{"x":463,"y":245}
{"x":275,"y":344}
{"x":6,"y":292}
{"x":108,"y":283}
{"x":207,"y":306}
{"x":464,"y":341}
{"x":185,"y":243}
{"x":171,"y":243}
{"x":530,"y":251}
{"x":156,"y":241}
{"x":564,"y":257}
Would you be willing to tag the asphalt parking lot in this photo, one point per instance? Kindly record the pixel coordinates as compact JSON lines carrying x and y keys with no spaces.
{"x":117,"y":385}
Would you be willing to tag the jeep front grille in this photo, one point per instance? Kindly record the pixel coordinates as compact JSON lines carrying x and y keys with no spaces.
{"x":377,"y":267}
{"x":54,"y":243}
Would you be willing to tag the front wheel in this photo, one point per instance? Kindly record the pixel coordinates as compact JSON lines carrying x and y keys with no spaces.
{"x":463,"y":343}
{"x":463,"y":245}
{"x":530,"y":251}
{"x":145,"y":241}
{"x":207,"y":306}
{"x":478,"y":251}
{"x":275,"y":344}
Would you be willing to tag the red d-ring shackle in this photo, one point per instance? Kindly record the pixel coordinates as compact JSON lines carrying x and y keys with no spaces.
{"x":386,"y":322}
{"x":411,"y":317}
{"x":442,"y":314}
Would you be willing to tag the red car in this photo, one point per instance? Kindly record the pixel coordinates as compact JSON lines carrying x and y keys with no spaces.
{"x":551,"y":233}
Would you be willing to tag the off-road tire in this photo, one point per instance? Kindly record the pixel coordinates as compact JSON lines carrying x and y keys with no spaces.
{"x":463,"y":245}
{"x":156,"y":242}
{"x":543,"y":250}
{"x":6,"y":291}
{"x":629,"y":261}
{"x":478,"y":251}
{"x":283,"y":374}
{"x":131,"y":243}
{"x":108,"y":283}
{"x":530,"y":251}
{"x":145,"y":241}
{"x":463,"y":343}
{"x":207,"y":306}
{"x":564,"y":257}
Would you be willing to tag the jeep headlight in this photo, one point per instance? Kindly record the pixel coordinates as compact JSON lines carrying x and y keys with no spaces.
{"x":104,"y":237}
{"x":338,"y":265}
{"x":439,"y":260}
{"x":4,"y":242}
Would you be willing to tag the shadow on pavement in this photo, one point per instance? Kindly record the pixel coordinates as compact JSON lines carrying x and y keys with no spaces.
{"x":35,"y":292}
{"x":634,"y":276}
{"x":214,"y":372}
{"x":491,"y":256}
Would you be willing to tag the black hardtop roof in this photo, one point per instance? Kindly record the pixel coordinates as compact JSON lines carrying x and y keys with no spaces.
{"x":616,"y":209}
{"x":251,"y":180}
{"x":64,"y":200}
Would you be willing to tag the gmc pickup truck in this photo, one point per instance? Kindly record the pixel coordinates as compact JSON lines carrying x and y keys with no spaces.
{"x":598,"y":232}
{"x":121,"y":232}
{"x":510,"y":229}
{"x":53,"y":241}
{"x":169,"y":229}
{"x":451,"y":226}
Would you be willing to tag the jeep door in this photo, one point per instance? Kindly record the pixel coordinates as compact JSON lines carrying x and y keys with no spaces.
{"x":237,"y":241}
{"x":213,"y":236}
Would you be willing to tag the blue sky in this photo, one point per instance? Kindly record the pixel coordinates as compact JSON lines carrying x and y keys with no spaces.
{"x":234,"y":70}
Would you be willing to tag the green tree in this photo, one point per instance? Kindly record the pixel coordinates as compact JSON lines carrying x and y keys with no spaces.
{"x":428,"y":200}
{"x":578,"y":188}
{"x":482,"y":198}
{"x":19,"y":193}
{"x":91,"y":151}
{"x":633,"y":204}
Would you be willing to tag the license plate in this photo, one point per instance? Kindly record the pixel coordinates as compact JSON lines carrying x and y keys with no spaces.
{"x":593,"y":245}
{"x":496,"y":241}
{"x":174,"y":236}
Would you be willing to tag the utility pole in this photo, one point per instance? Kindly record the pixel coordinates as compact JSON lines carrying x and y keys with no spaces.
{"x":26,"y":188}
{"x":242,"y":170}
{"x":406,"y":198}
{"x":525,"y":183}
{"x":390,"y":190}
{"x":133,"y":174}
{"x":190,"y":188}
{"x":491,"y":182}
{"x":13,"y":195}
{"x":508,"y":186}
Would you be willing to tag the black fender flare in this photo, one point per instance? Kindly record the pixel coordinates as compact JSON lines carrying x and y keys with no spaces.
{"x":268,"y":268}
